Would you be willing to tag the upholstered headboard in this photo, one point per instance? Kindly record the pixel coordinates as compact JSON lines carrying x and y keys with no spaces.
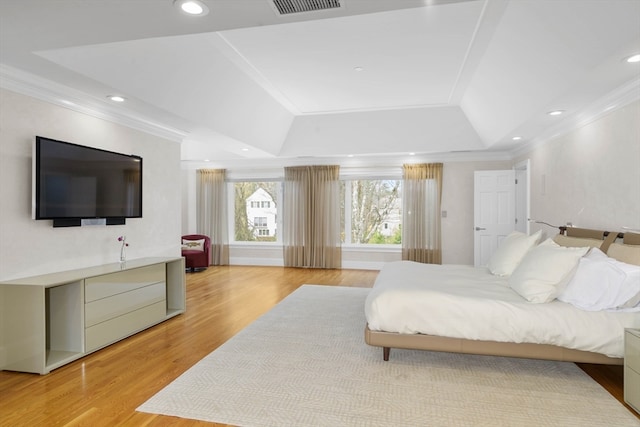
{"x":624,"y":247}
{"x":631,"y":238}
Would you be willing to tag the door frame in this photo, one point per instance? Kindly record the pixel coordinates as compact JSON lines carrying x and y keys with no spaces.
{"x":523,"y":204}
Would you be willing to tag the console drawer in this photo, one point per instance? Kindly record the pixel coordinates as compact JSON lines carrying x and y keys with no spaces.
{"x":123,"y":281}
{"x":632,"y":388}
{"x":117,"y":305}
{"x":119,"y":327}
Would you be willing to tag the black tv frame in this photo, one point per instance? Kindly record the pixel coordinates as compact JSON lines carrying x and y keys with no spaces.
{"x":76,"y":221}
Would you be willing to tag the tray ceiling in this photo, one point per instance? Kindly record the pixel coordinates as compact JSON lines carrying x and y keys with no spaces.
{"x":364,"y":79}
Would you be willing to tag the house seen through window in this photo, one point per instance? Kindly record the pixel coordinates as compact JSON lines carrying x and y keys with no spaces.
{"x":255,"y":211}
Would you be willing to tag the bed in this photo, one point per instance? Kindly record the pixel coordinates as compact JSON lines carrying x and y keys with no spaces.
{"x":488,"y":311}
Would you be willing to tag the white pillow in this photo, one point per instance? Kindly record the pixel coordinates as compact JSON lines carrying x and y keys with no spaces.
{"x":193,"y":245}
{"x":545,"y":270}
{"x":602,"y":283}
{"x":511,"y":251}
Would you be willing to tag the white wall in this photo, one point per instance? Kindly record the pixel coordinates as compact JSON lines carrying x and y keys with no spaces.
{"x":591,"y":175}
{"x":29,"y":247}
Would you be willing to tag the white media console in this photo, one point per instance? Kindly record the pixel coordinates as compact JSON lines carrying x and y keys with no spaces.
{"x":50,"y":320}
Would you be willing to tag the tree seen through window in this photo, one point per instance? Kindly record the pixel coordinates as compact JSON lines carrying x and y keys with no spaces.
{"x":376,"y":214}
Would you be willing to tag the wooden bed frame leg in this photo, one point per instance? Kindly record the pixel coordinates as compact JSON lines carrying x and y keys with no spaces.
{"x":385,"y":353}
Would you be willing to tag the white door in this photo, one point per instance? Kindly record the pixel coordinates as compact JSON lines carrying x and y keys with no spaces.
{"x":494,"y":211}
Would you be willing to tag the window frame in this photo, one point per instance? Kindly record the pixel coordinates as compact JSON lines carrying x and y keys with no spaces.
{"x":347,"y":173}
{"x":231,"y":212}
{"x":373,"y":174}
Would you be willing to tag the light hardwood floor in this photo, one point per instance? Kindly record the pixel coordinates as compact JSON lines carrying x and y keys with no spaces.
{"x":105,"y":388}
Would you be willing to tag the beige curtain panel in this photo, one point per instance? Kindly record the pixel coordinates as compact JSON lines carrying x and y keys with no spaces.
{"x":211,"y":213}
{"x":421,"y":197}
{"x":311,"y":225}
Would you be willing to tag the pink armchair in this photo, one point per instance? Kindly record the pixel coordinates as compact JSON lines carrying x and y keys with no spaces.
{"x":196,"y":249}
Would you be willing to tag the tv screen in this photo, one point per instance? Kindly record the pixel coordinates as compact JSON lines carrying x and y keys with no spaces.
{"x":77,"y":182}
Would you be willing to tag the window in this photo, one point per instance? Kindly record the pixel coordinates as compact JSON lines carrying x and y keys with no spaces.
{"x":260,"y":221}
{"x":372,"y":212}
{"x":255,"y":211}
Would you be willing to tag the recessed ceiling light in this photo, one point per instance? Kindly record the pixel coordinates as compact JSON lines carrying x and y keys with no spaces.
{"x":245,"y":149}
{"x":517,"y":138}
{"x":412,"y":154}
{"x":192,"y":7}
{"x":555,"y":112}
{"x":116,"y":98}
{"x":358,"y":69}
{"x":207,"y":160}
{"x":633,"y":58}
{"x":349,"y":155}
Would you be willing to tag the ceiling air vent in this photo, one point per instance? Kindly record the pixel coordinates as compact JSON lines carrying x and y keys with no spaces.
{"x":287,"y":7}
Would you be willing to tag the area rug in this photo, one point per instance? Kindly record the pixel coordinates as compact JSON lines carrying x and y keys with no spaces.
{"x":305,"y":363}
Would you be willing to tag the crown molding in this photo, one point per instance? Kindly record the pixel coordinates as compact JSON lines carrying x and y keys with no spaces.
{"x":363,"y":164}
{"x":64,"y":96}
{"x":614,"y":100}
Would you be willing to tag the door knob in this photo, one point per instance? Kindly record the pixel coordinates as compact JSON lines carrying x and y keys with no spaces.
{"x":480,"y":228}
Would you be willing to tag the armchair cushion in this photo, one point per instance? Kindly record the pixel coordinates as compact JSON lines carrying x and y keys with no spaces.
{"x":196,"y":249}
{"x":193,"y":245}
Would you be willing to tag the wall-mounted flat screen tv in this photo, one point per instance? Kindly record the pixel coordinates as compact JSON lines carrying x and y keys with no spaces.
{"x":73,"y":182}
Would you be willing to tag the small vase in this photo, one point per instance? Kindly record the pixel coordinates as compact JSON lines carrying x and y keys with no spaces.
{"x":123,"y":253}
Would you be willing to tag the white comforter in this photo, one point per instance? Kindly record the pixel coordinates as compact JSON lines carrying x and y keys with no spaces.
{"x":466,"y":302}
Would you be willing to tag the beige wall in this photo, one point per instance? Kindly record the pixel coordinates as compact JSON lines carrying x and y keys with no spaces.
{"x":29,"y":247}
{"x":457,"y":227}
{"x":457,"y":201}
{"x":591,"y":175}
